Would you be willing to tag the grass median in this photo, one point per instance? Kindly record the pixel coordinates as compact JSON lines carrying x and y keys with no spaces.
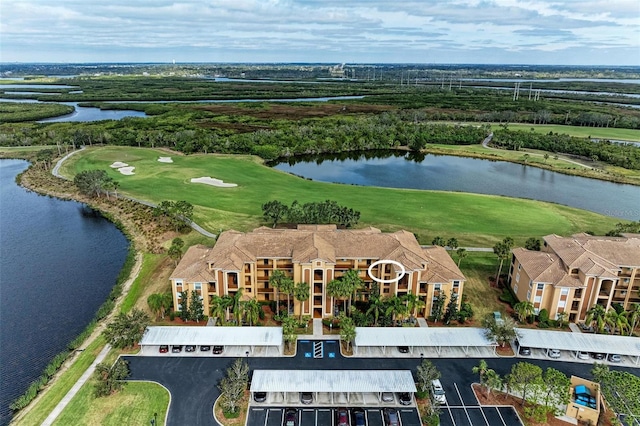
{"x":474,"y":219}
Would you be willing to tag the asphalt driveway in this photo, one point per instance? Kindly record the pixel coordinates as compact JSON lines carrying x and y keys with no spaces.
{"x":193,"y":381}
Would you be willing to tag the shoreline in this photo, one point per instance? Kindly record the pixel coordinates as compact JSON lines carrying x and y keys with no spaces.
{"x":135,"y":239}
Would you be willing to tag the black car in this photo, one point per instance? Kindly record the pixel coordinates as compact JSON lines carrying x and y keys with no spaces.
{"x":290,"y":417}
{"x":189,"y":348}
{"x":306,"y":397}
{"x":358,"y":417}
{"x":403,"y":349}
{"x":217,"y":350}
{"x":260,"y":396}
{"x":390,"y":417}
{"x":205,"y":348}
{"x":176,"y":349}
{"x":405,"y":398}
{"x":597,"y":355}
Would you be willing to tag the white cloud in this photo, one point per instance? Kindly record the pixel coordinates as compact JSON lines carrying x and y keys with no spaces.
{"x":309,"y":30}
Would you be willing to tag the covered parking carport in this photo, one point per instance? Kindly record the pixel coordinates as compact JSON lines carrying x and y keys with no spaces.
{"x":423,"y":339}
{"x":335,"y":384}
{"x":577,"y":342}
{"x":242,"y":339}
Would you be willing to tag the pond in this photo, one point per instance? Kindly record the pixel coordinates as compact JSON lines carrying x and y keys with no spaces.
{"x":448,"y":173}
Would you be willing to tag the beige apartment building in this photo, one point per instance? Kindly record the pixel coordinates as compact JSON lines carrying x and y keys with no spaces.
{"x":316,"y":255}
{"x":571,"y":274}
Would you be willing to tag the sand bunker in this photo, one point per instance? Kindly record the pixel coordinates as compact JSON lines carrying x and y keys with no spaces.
{"x":126,"y":170}
{"x":118,"y":164}
{"x":214,"y":182}
{"x":165,"y":160}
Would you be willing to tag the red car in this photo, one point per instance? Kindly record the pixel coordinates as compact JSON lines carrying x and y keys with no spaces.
{"x":342,"y":417}
{"x":164,"y":349}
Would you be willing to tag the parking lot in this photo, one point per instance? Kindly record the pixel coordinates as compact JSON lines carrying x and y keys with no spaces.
{"x":274,"y":416}
{"x":462,"y":409}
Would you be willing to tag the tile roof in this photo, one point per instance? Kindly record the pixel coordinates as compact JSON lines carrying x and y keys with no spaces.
{"x":319,"y":242}
{"x":193,"y":265}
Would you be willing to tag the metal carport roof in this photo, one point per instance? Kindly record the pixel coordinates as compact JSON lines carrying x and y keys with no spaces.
{"x":351,"y":381}
{"x":226,"y":336}
{"x":569,"y":341}
{"x":422,"y":336}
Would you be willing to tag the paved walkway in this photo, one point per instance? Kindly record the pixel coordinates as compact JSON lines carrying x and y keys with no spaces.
{"x":574,"y":328}
{"x":76,"y":387}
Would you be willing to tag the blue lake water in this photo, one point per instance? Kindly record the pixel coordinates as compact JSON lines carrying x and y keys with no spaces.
{"x":449,"y":173}
{"x":58,"y":263}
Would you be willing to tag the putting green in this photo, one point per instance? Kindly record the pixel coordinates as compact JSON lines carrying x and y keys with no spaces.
{"x":473,"y":219}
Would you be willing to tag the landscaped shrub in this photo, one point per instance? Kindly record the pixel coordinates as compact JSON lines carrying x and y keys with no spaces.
{"x":508,"y":297}
{"x":543,"y":316}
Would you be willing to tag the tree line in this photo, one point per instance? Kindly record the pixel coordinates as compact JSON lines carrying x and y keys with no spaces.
{"x":324,"y":212}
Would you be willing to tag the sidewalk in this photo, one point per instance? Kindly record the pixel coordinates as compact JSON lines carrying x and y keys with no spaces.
{"x":76,"y":387}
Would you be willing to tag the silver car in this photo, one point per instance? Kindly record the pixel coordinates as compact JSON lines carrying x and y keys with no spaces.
{"x":554,"y":353}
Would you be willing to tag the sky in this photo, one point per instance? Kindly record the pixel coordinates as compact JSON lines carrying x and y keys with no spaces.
{"x":560,"y":32}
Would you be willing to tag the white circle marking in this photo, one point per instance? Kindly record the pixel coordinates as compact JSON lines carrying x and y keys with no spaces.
{"x":387,"y":262}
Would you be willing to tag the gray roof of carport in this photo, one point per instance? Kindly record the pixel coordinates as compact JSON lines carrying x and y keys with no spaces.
{"x":332,"y":381}
{"x":226,"y":336}
{"x":422,"y":336}
{"x":601,"y":343}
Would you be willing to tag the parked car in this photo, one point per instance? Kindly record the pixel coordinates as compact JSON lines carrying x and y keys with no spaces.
{"x":405,"y":398}
{"x":260,"y":396}
{"x":290,"y":417}
{"x":597,"y":355}
{"x":342,"y":417}
{"x":189,"y":348}
{"x":358,"y":417}
{"x":217,"y":350}
{"x":387,"y":397}
{"x":438,"y":392}
{"x":306,"y":397}
{"x":524,"y":350}
{"x":553,"y":353}
{"x":390,"y":417}
{"x":586,"y":328}
{"x":176,"y":349}
{"x":583,"y":355}
{"x":164,"y":349}
{"x":205,"y":348}
{"x":615,"y":358}
{"x":403,"y":349}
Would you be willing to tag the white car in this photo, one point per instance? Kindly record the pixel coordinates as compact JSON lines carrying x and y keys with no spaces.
{"x":438,"y":392}
{"x":554,"y":353}
{"x":583,"y":355}
{"x":615,"y":358}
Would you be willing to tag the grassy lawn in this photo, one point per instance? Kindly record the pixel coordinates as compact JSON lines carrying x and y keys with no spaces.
{"x":477,"y":267}
{"x":59,"y":389}
{"x":134,"y":405}
{"x":475,"y":220}
{"x":579,"y":131}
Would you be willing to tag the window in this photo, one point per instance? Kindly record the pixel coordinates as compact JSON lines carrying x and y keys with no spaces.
{"x":519,"y":266}
{"x":529,"y":295}
{"x":564,"y":292}
{"x":537,"y":299}
{"x":265,"y":261}
{"x":518,"y":277}
{"x":536,"y":311}
{"x":197,"y":286}
{"x":540,"y":286}
{"x":515,"y":288}
{"x":456,"y":284}
{"x":562,"y":304}
{"x":436,"y":287}
{"x":530,"y":284}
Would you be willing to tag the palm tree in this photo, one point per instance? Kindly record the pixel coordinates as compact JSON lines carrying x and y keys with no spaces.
{"x":352,"y":283}
{"x":376,"y":307}
{"x":396,"y":308}
{"x":633,"y":317}
{"x":414,"y":303}
{"x":274,"y":281}
{"x":493,"y":381}
{"x":236,"y":306}
{"x":561,"y":318}
{"x":336,"y":289}
{"x":462,"y":253}
{"x":301,"y":293}
{"x":287,"y":286}
{"x":595,"y":316}
{"x":481,"y":371}
{"x":617,"y":321}
{"x":503,"y":251}
{"x":251,"y":309}
{"x":218,"y":307}
{"x":155,"y":303}
{"x":524,"y":309}
{"x":166,"y":301}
